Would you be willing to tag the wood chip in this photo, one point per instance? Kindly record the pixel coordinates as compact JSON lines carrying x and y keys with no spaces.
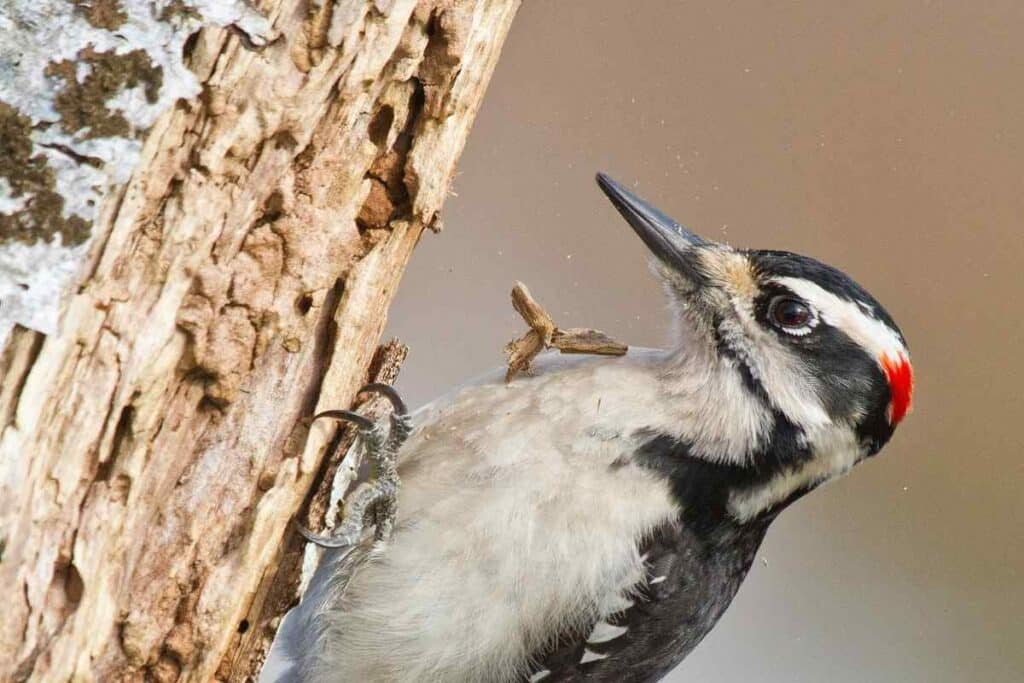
{"x":544,"y":334}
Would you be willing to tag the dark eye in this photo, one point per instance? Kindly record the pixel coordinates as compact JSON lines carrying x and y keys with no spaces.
{"x":789,"y":313}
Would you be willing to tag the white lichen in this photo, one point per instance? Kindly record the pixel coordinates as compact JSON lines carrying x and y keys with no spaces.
{"x":9,"y":204}
{"x":32,"y":281}
{"x":37,"y":34}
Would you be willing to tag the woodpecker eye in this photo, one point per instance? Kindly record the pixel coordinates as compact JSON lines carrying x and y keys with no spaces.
{"x":791,"y":314}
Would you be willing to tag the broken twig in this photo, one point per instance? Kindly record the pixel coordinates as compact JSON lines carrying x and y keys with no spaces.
{"x":544,"y":334}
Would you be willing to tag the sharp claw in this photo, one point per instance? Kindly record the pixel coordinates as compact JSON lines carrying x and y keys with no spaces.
{"x":321,"y":540}
{"x":388,"y":392}
{"x":375,"y":500}
{"x":358,"y":420}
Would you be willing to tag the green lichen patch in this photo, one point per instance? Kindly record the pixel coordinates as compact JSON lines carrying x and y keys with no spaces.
{"x":28,"y":175}
{"x":106,"y":14}
{"x":84,"y":105}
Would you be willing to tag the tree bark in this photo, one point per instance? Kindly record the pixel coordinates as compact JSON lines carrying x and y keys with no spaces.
{"x":154,"y":449}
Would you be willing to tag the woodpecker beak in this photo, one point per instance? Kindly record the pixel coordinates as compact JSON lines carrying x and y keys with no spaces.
{"x":674,"y":245}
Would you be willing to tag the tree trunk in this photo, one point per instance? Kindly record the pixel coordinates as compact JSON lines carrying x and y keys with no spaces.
{"x":154,"y":449}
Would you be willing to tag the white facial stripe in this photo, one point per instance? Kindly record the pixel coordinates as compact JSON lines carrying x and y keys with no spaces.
{"x":836,"y":451}
{"x":774,"y":366}
{"x":877,"y":338}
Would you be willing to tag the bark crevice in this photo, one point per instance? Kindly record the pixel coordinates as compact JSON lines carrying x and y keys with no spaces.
{"x":236,"y":284}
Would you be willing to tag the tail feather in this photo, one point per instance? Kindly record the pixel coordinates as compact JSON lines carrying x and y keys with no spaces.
{"x":300,"y":639}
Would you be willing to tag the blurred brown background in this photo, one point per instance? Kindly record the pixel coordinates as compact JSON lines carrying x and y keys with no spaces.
{"x":884,"y":138}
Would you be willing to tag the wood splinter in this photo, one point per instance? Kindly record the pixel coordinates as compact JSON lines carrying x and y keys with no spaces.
{"x":543,"y":334}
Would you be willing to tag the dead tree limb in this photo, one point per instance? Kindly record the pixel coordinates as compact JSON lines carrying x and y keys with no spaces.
{"x":154,"y":449}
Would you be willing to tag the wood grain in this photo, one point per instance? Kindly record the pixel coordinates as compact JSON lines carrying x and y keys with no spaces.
{"x":153,"y":452}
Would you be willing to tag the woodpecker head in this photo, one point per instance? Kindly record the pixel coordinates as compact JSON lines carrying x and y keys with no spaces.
{"x":799,"y":372}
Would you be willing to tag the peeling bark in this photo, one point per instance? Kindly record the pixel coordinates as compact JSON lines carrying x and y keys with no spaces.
{"x":154,"y":450}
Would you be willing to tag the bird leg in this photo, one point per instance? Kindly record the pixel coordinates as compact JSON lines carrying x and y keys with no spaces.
{"x":373,"y":499}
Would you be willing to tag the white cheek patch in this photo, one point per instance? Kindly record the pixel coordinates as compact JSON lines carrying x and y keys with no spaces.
{"x":836,"y":451}
{"x":783,"y":377}
{"x":853,"y":318}
{"x":712,"y":410}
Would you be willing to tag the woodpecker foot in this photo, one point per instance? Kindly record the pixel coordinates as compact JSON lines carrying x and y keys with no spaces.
{"x":373,"y":501}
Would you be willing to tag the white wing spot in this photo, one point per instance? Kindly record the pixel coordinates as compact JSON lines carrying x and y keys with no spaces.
{"x":603,"y":632}
{"x":657,"y":579}
{"x":540,"y":675}
{"x":591,"y":656}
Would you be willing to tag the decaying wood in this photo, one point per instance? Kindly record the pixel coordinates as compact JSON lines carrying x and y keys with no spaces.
{"x":153,"y":452}
{"x":384,"y":369}
{"x":585,"y":340}
{"x":543,"y":334}
{"x":278,"y":589}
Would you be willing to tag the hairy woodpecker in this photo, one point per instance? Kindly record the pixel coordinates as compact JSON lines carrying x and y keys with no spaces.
{"x":594,"y":520}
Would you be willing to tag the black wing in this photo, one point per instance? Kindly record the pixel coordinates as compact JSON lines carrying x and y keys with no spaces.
{"x":690,"y":579}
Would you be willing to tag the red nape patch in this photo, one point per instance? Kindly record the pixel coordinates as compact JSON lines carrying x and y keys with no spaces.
{"x":901,"y":386}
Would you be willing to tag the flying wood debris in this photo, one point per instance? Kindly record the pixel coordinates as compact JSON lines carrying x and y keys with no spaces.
{"x":544,"y":334}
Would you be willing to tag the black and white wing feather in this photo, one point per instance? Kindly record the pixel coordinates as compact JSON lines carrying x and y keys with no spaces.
{"x":684,"y":592}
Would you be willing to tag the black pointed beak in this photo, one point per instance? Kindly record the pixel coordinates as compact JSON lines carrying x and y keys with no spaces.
{"x":673,"y":244}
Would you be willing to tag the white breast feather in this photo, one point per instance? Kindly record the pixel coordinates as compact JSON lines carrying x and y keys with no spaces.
{"x":509,"y":494}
